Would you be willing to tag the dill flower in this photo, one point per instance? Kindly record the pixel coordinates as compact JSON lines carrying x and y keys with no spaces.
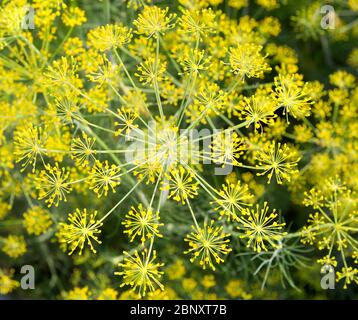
{"x":37,"y":221}
{"x":63,"y":74}
{"x":143,"y":223}
{"x":246,"y":60}
{"x":198,"y":22}
{"x":334,"y":225}
{"x":52,"y":184}
{"x":271,"y":26}
{"x":99,"y":99}
{"x":328,"y":260}
{"x":260,"y":228}
{"x":108,"y":294}
{"x":110,"y":36}
{"x":313,"y":198}
{"x":208,"y":281}
{"x":176,"y":103}
{"x":151,"y":71}
{"x":141,"y":272}
{"x":67,"y":108}
{"x":235,"y":289}
{"x":7,"y":283}
{"x":136,"y":4}
{"x":342,"y":79}
{"x":227,"y":148}
{"x":78,"y":294}
{"x":237,"y":4}
{"x":189,"y":284}
{"x":303,"y":133}
{"x":171,"y":93}
{"x":293,"y":95}
{"x":73,"y":16}
{"x":355,"y":256}
{"x":153,"y":21}
{"x":268,"y":4}
{"x":176,"y":270}
{"x":29,"y":144}
{"x":211,"y":98}
{"x":194,"y":62}
{"x":208,"y":244}
{"x":73,"y":47}
{"x":233,"y":198}
{"x":142,"y":47}
{"x":12,"y":14}
{"x":4,"y":209}
{"x":14,"y":246}
{"x":277,"y":160}
{"x":106,"y":73}
{"x":82,"y":150}
{"x":180,"y":184}
{"x":307,"y":20}
{"x":148,"y":168}
{"x":258,"y":110}
{"x":349,"y":274}
{"x":353,"y":58}
{"x":82,"y":227}
{"x":126,"y":117}
{"x":103,"y":177}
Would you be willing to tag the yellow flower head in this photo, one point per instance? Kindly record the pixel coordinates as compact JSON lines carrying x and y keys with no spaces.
{"x":232,"y":199}
{"x":349,"y":275}
{"x":78,"y":294}
{"x":110,"y":36}
{"x":106,"y":74}
{"x":12,"y":15}
{"x":148,"y":168}
{"x":29,"y":145}
{"x":108,"y":294}
{"x":73,"y":16}
{"x":14,"y":246}
{"x":153,"y":21}
{"x":176,"y":270}
{"x":208,"y":244}
{"x":279,"y":160}
{"x":342,"y":79}
{"x":194,"y":62}
{"x":260,"y":228}
{"x":247,"y":61}
{"x":52,"y":184}
{"x":151,"y":71}
{"x":227,"y":148}
{"x":7,"y":283}
{"x":126,"y":117}
{"x":4,"y":209}
{"x":293,"y":95}
{"x":180,"y":184}
{"x":143,"y":223}
{"x":198,"y":22}
{"x":258,"y":110}
{"x":82,"y":150}
{"x":62,"y":74}
{"x":141,"y":272}
{"x":37,"y":220}
{"x":104,"y":177}
{"x":67,"y":108}
{"x":81,"y":227}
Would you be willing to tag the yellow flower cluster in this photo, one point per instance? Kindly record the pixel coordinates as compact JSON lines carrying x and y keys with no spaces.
{"x":182,"y":127}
